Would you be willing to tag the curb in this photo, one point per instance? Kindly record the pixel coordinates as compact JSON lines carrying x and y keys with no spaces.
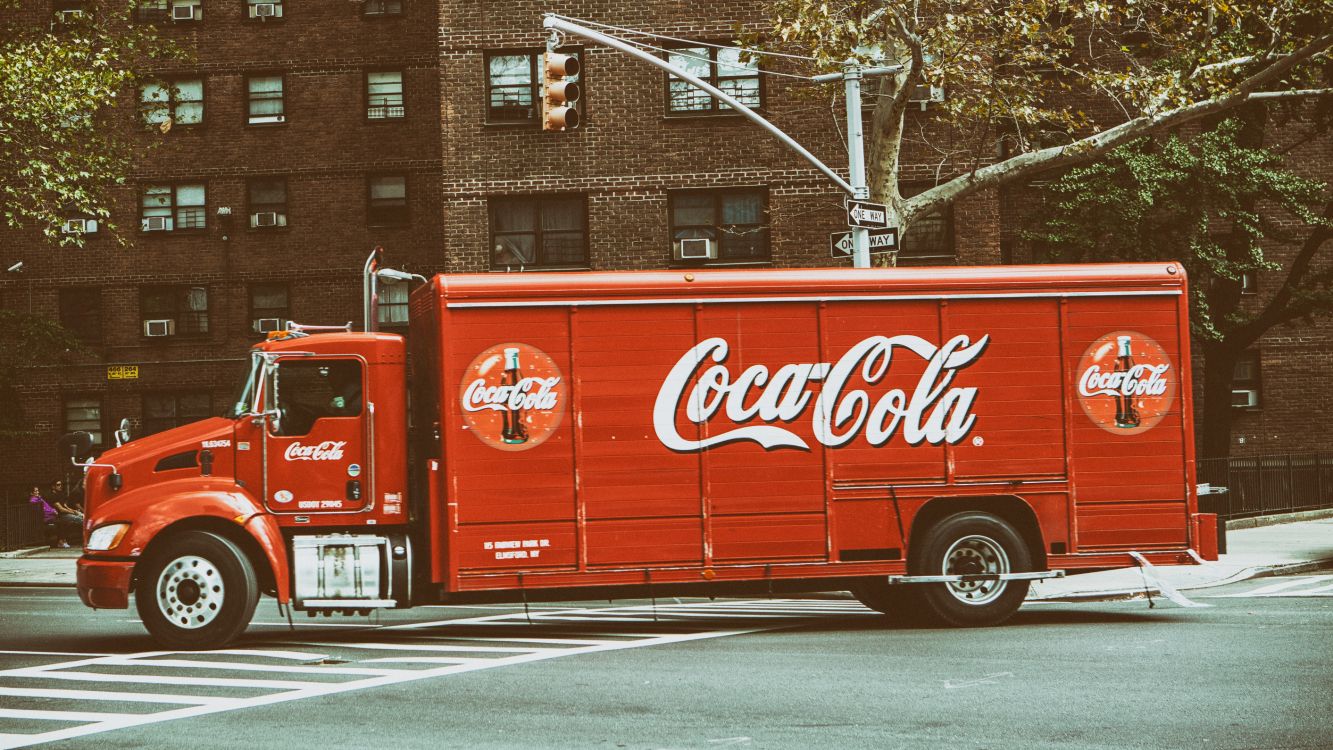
{"x":16,"y":554}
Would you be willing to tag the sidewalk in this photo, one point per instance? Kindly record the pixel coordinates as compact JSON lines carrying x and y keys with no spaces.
{"x":1253,"y":552}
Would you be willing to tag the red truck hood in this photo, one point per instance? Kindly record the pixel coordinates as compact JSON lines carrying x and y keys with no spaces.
{"x":137,"y":459}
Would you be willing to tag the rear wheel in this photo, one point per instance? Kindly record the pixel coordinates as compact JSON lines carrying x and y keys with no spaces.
{"x":197,"y":591}
{"x":973,"y":542}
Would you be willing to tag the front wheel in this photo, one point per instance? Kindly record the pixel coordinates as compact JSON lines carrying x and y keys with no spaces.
{"x":198,"y":591}
{"x":971,"y":543}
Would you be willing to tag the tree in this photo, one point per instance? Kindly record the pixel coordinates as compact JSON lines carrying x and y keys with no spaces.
{"x":60,"y":154}
{"x":1056,"y":83}
{"x":1211,"y":203}
{"x":24,"y":339}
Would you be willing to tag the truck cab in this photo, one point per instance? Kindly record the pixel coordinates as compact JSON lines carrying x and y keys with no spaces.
{"x":309,"y":464}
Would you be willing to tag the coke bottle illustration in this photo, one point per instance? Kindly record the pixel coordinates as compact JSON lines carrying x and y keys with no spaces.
{"x":1126,"y":415}
{"x":513,"y":431}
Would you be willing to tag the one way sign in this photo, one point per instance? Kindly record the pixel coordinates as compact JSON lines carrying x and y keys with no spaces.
{"x":881,"y":241}
{"x":867,"y":215}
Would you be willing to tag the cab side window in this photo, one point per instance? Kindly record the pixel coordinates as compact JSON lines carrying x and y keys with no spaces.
{"x":311,"y":390}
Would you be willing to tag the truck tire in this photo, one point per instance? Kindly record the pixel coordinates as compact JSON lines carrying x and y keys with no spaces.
{"x":900,"y":603}
{"x":198,"y":591}
{"x":970,"y":542}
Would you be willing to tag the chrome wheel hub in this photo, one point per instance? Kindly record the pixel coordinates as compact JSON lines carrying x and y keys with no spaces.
{"x":976,"y":555}
{"x":190,"y":592}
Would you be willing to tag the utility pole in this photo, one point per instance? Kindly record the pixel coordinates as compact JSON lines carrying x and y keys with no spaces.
{"x":856,"y":158}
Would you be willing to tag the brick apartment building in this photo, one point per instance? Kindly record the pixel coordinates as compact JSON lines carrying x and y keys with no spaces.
{"x":304,"y":134}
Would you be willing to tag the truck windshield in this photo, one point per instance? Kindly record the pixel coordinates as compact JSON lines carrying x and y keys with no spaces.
{"x":240,"y":406}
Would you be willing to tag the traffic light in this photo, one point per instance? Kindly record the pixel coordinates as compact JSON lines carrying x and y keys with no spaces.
{"x":559,"y":95}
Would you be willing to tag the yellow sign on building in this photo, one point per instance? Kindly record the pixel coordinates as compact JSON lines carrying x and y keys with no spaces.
{"x":122,"y":372}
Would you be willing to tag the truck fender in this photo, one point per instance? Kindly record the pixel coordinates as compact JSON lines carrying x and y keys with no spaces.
{"x":166,"y":507}
{"x":264,"y":528}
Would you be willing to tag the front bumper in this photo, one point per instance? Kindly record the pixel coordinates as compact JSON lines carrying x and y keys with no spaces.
{"x":105,"y":584}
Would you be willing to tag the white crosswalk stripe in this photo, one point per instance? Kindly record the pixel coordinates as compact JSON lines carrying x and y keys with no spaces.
{"x":1298,"y":586}
{"x":189,"y":684}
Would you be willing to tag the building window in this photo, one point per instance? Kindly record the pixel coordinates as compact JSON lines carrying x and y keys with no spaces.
{"x":85,"y":414}
{"x":174,"y":310}
{"x":154,"y":11}
{"x":929,"y":241}
{"x":392,"y":304}
{"x":170,"y":207}
{"x":512,"y":85}
{"x":1246,"y":386}
{"x":377,"y":8}
{"x":531,"y":232}
{"x":269,"y":307}
{"x":1249,"y":282}
{"x":387,"y":198}
{"x":173,"y":103}
{"x":163,"y":411}
{"x":81,"y":313}
{"x":719,"y":226}
{"x":268,"y":202}
{"x":384,"y":95}
{"x":265,"y":99}
{"x":723,"y":68}
{"x":263,"y":10}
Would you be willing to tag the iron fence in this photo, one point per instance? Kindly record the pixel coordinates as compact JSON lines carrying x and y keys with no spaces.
{"x":1266,"y":485}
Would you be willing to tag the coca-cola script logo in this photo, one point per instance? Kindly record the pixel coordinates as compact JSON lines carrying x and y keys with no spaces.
{"x":329,"y":450}
{"x":1126,"y":382}
{"x":513,"y":397}
{"x":932,"y":412}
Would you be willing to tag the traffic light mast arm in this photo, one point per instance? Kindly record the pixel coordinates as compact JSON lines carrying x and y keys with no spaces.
{"x":560,"y":24}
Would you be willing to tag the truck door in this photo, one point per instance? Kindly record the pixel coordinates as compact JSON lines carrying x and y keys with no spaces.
{"x":315,"y":444}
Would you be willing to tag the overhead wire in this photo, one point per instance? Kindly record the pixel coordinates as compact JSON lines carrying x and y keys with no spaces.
{"x":687,"y":41}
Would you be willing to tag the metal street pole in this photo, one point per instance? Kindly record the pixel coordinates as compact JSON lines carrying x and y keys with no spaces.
{"x":856,"y":159}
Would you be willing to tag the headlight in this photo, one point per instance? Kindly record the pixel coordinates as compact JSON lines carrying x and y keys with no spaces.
{"x":106,"y":537}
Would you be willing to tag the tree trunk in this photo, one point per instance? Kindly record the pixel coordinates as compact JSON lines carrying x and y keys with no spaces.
{"x":1214,"y":429}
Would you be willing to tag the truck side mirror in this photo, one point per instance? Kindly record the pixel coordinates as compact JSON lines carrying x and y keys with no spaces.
{"x":123,"y":432}
{"x":76,"y":446}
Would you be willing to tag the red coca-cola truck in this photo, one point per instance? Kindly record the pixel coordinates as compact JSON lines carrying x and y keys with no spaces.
{"x":931,"y":439}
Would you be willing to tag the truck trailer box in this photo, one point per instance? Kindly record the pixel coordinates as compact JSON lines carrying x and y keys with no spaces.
{"x":617,"y":428}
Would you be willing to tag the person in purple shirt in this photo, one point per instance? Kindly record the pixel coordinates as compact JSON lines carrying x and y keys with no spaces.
{"x":60,"y":525}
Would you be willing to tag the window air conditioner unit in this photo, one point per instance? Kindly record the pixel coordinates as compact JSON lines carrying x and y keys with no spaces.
{"x":269,"y":325}
{"x":79,"y":226}
{"x":925,"y":94}
{"x":1244,"y":398}
{"x":266,"y":219}
{"x":155,"y":224}
{"x":70,"y":16}
{"x":159,"y":327}
{"x":698,"y":249}
{"x":265,"y":10}
{"x":182,"y":12}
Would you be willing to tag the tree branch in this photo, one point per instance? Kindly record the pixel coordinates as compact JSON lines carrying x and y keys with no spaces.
{"x":1086,"y":149}
{"x":1280,"y":308}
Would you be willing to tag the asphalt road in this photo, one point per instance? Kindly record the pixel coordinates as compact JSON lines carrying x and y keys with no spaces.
{"x":1252,"y":670}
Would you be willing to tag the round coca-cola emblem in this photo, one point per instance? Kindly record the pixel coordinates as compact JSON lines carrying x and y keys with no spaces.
{"x":1126,"y":382}
{"x":513,"y":397}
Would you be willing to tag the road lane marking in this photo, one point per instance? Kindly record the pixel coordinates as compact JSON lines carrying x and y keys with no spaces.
{"x":45,"y":715}
{"x":669,"y":631}
{"x":244,"y":667}
{"x":107,"y":695}
{"x":154,"y":679}
{"x":1292,"y":587}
